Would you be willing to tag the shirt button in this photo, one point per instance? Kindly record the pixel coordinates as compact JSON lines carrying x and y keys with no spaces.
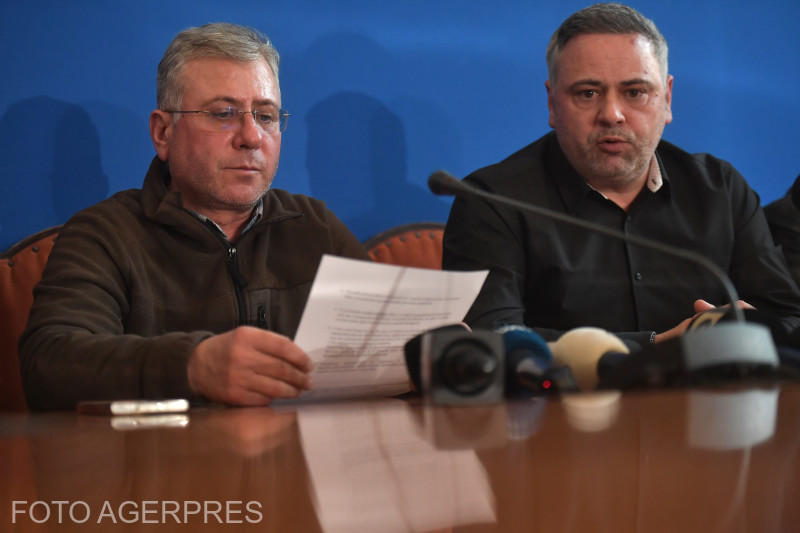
{"x":638,"y":276}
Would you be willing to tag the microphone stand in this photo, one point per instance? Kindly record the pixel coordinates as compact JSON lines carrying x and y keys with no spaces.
{"x":443,"y":183}
{"x":748,"y":347}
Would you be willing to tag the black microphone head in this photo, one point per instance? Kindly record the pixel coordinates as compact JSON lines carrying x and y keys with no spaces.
{"x":726,"y":352}
{"x":442,"y":183}
{"x":455,"y":366}
{"x":608,"y":363}
{"x":413,"y":350}
{"x":468,"y":367}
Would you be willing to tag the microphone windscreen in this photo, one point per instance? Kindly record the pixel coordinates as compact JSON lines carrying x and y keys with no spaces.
{"x":581,"y":348}
{"x":442,"y":183}
{"x":412,"y":351}
{"x":527,"y":358}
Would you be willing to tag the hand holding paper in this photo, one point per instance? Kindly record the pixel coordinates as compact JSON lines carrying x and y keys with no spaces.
{"x":360,"y":314}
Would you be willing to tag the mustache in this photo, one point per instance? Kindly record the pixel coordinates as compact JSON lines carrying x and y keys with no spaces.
{"x":613,"y":132}
{"x":245,"y":164}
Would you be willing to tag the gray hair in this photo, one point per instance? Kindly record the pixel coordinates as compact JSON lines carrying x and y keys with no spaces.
{"x":606,"y":18}
{"x":219,"y":39}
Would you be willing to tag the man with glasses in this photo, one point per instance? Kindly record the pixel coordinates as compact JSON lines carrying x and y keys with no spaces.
{"x":609,"y":97}
{"x":193,"y":285}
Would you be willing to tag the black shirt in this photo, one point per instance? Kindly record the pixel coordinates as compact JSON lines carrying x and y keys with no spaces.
{"x":554,"y":277}
{"x":783,"y":217}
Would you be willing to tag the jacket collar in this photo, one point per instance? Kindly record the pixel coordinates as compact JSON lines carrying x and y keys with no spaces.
{"x":166,"y":207}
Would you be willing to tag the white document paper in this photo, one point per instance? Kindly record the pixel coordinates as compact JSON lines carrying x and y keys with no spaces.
{"x":360,"y":314}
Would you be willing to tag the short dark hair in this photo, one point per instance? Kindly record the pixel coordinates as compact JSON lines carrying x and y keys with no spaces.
{"x":606,"y":18}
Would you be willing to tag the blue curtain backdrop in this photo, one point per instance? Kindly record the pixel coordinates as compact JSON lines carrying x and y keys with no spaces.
{"x":382,"y":94}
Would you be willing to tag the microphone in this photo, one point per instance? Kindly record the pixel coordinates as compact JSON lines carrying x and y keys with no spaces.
{"x":413,"y":350}
{"x":749,"y":347}
{"x":528,"y":359}
{"x":720,"y":315}
{"x":583,"y":350}
{"x":442,"y":183}
{"x":452,"y":365}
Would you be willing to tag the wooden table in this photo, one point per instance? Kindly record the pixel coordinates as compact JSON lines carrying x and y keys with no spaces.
{"x":698,"y":460}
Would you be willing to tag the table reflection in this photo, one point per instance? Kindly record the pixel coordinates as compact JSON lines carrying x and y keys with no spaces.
{"x":729,"y":420}
{"x":375,"y":468}
{"x":699,"y":460}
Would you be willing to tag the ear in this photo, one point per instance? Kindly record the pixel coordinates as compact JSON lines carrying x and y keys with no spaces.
{"x":550,"y":102}
{"x":161,"y":128}
{"x":668,"y":99}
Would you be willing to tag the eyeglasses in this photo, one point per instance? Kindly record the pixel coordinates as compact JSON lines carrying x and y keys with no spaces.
{"x":230,"y":118}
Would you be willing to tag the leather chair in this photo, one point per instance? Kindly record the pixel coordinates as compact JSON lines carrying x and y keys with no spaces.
{"x":418,"y":244}
{"x":21,"y":269}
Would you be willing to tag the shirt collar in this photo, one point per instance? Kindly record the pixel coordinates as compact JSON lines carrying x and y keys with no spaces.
{"x":258,"y":212}
{"x":574,"y":190}
{"x":654,"y":179}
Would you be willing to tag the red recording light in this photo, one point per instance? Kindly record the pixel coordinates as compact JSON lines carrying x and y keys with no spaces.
{"x":546,"y":384}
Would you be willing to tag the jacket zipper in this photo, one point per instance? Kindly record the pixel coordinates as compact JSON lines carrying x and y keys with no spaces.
{"x":262,"y":317}
{"x":238,"y":281}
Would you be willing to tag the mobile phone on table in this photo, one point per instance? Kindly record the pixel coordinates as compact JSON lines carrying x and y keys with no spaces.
{"x":133,"y":407}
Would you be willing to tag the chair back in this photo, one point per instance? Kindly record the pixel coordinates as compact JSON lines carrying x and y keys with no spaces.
{"x":21,"y":269}
{"x":418,"y":244}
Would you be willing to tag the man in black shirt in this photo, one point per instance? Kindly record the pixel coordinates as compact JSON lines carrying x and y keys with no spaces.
{"x":609,"y":96}
{"x":783,"y":216}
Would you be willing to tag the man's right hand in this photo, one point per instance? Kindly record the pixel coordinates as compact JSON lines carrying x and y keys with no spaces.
{"x":248,"y":366}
